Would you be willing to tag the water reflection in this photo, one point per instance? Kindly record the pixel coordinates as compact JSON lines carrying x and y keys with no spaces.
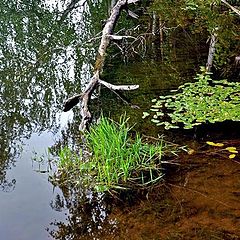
{"x":40,"y":64}
{"x":8,"y":186}
{"x":87,"y":216}
{"x":45,"y":57}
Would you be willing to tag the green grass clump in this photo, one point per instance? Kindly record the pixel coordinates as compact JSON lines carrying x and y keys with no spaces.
{"x":118,"y":161}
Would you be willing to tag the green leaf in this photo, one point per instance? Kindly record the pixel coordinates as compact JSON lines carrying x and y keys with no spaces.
{"x":160,"y":114}
{"x":200,"y":102}
{"x":155,"y":120}
{"x":145,"y":114}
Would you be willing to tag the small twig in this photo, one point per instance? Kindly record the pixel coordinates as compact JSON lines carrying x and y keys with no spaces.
{"x":115,"y":92}
{"x":70,"y":7}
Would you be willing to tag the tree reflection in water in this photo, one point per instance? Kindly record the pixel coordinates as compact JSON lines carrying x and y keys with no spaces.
{"x":43,"y":59}
{"x":87,"y":215}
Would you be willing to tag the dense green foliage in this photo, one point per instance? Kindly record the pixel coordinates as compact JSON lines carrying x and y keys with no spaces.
{"x":195,"y":103}
{"x":116,"y":161}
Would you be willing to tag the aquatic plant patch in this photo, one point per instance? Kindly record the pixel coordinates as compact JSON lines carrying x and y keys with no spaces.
{"x":115,"y":160}
{"x":203,"y":101}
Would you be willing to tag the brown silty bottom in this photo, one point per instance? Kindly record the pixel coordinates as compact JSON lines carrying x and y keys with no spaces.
{"x":200,"y":199}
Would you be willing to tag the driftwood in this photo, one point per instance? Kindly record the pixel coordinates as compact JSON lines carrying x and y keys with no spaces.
{"x":95,"y":81}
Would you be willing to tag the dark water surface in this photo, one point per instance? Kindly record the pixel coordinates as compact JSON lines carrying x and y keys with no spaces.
{"x":26,"y":210}
{"x":27,"y":198}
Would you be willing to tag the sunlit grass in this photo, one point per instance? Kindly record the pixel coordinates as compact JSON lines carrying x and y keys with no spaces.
{"x":117,"y":160}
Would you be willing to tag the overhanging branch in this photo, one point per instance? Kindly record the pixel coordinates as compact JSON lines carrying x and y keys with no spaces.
{"x":99,"y":63}
{"x":118,"y":87}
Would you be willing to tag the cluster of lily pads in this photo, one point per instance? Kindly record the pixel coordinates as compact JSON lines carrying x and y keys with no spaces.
{"x":205,"y":100}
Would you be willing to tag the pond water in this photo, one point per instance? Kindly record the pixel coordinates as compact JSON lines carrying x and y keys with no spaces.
{"x":41,"y":64}
{"x":26,"y":195}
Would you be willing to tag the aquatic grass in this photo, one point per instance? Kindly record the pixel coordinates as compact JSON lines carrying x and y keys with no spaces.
{"x":119,"y":160}
{"x":114,"y":159}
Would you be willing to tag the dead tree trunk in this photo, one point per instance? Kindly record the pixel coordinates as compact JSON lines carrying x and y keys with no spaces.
{"x":214,"y":39}
{"x":85,"y":96}
{"x":211,"y":52}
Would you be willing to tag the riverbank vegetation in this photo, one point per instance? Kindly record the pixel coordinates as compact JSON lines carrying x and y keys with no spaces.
{"x":216,"y":21}
{"x":113,"y":158}
{"x":209,"y":98}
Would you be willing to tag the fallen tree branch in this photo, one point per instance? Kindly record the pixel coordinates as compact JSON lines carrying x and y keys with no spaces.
{"x":117,"y":37}
{"x":118,"y":87}
{"x":72,"y":101}
{"x":99,"y":63}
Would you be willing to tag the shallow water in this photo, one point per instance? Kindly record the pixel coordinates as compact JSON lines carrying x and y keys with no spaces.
{"x":40,"y":67}
{"x":27,"y":198}
{"x":199,"y":200}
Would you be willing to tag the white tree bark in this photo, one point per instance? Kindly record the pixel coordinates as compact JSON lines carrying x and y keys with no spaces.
{"x":230,"y":6}
{"x":211,"y":52}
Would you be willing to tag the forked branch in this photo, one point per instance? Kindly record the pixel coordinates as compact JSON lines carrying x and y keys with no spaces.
{"x":85,"y":97}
